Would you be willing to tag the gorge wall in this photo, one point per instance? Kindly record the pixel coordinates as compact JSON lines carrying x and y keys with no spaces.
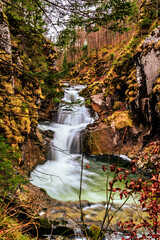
{"x":27,"y":61}
{"x":129,"y":118}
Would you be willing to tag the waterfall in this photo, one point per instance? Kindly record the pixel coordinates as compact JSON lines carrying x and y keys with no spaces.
{"x":72,"y":119}
{"x":60,"y":175}
{"x":64,"y":158}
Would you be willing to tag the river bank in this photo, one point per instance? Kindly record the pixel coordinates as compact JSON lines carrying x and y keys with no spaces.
{"x":61,"y":210}
{"x":68,"y":213}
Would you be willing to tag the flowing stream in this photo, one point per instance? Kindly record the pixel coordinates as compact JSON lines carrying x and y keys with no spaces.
{"x":60,"y":175}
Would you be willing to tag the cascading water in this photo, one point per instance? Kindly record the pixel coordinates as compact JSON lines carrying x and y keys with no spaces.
{"x":60,"y":175}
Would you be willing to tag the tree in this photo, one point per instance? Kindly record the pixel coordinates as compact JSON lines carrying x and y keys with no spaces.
{"x":29,"y":12}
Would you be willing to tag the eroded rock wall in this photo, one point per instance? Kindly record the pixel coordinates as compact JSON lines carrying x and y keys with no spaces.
{"x":148,"y":79}
{"x":5,"y":38}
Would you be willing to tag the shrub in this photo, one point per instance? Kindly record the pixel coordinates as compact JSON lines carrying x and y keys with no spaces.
{"x":10,"y":179}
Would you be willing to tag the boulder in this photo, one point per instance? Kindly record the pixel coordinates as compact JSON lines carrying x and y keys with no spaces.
{"x":35,"y":149}
{"x":98,"y":103}
{"x":104,"y":139}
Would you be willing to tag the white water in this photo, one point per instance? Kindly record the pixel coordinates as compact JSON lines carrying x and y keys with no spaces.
{"x":60,"y":175}
{"x":63,"y":166}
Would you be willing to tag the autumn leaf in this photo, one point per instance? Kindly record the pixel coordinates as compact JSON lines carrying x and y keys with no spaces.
{"x":87,"y":166}
{"x":104,"y":168}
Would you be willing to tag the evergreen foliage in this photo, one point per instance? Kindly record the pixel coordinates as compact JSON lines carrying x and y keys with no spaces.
{"x":10,"y":179}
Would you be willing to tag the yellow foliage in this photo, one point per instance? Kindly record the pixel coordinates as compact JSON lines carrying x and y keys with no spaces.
{"x":131,"y":99}
{"x":121,"y":119}
{"x":1,"y":101}
{"x":18,"y":139}
{"x":39,"y":93}
{"x":24,"y":124}
{"x":118,"y":87}
{"x":157,"y":46}
{"x":8,"y":88}
{"x":131,"y":93}
{"x":15,"y":147}
{"x":34,"y":122}
{"x":156,"y":89}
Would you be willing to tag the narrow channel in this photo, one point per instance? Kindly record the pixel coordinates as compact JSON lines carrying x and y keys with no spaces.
{"x":60,"y":175}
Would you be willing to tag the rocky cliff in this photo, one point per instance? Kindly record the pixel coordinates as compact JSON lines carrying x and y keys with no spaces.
{"x":26,"y":82}
{"x":130,"y":114}
{"x":148,"y":79}
{"x":125,"y":93}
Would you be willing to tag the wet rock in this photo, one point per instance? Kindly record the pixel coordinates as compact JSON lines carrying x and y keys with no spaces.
{"x":48,"y":110}
{"x":35,"y":149}
{"x":101,"y":139}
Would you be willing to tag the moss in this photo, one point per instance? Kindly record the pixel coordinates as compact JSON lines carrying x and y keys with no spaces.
{"x":94,"y":232}
{"x":121,"y":119}
{"x":12,"y":229}
{"x":8,"y":88}
{"x":117,"y":105}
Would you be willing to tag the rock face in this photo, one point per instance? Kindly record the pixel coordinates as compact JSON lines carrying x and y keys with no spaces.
{"x":104,"y":138}
{"x":35,"y":149}
{"x":148,"y":73}
{"x":5,"y":39}
{"x":148,"y":64}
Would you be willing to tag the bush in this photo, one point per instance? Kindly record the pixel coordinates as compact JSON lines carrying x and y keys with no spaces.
{"x":10,"y":179}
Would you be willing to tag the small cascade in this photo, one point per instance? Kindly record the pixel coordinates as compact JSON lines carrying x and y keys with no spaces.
{"x":72,"y":119}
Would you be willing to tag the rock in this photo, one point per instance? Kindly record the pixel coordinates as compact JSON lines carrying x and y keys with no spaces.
{"x":109,"y":103}
{"x":98,"y":103}
{"x":145,"y":108}
{"x":35,"y":149}
{"x":104,"y":139}
{"x":5,"y":34}
{"x":99,"y":140}
{"x":48,"y":110}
